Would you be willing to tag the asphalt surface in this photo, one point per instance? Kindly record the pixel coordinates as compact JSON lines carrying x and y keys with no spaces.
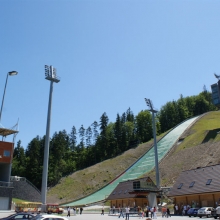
{"x":108,"y":217}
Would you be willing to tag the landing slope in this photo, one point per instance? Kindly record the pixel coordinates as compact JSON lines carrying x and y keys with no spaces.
{"x":142,"y":166}
{"x":199,"y":147}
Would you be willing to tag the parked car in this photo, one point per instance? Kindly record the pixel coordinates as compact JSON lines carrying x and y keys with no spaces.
{"x":192,"y":212}
{"x":20,"y":215}
{"x":216,"y":212}
{"x":205,"y":211}
{"x":51,"y":217}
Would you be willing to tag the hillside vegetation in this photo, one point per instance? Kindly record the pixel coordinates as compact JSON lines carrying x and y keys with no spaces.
{"x":198,"y":146}
{"x":89,"y":180}
{"x":102,"y":140}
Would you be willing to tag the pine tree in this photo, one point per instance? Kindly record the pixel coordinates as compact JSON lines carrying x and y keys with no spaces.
{"x":103,"y":143}
{"x":34,"y":161}
{"x":73,"y":139}
{"x":82,"y":137}
{"x":129,"y":115}
{"x":118,"y":134}
{"x":95,"y":126}
{"x":88,"y":136}
{"x":19,"y":161}
{"x":59,"y":155}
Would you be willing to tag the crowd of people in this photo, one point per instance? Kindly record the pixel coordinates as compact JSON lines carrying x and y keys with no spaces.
{"x":75,"y":211}
{"x":181,"y":210}
{"x":142,"y":212}
{"x":165,"y":212}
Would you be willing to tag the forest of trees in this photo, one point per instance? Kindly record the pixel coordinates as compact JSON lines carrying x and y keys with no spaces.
{"x":84,"y":147}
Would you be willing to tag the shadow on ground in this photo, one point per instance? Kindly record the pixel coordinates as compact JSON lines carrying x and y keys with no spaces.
{"x":211,"y":135}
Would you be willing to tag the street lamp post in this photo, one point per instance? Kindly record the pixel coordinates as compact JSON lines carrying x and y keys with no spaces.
{"x":12,"y":73}
{"x":50,"y":74}
{"x":150,"y":105}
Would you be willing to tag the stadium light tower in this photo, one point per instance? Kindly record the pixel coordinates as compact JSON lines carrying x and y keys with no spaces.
{"x":151,"y":109}
{"x":50,"y":74}
{"x":12,"y":73}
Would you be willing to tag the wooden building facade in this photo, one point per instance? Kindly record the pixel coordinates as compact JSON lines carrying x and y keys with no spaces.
{"x":138,"y":192}
{"x":198,"y":187}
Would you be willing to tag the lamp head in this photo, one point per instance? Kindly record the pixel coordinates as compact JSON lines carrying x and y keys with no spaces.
{"x":147,"y":102}
{"x":12,"y":73}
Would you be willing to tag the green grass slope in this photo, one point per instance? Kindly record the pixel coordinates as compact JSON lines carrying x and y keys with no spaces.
{"x":198,"y":146}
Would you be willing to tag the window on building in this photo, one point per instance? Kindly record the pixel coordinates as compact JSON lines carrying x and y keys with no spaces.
{"x":119,"y":192}
{"x":136,"y":185}
{"x":126,"y":191}
{"x":114,"y":193}
{"x":180,"y":186}
{"x":6,"y":153}
{"x":208,"y":181}
{"x":192,"y":184}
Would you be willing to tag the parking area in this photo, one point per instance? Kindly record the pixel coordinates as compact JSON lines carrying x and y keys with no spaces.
{"x":107,"y":217}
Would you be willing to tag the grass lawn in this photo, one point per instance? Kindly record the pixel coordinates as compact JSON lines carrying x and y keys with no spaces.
{"x":204,"y":130}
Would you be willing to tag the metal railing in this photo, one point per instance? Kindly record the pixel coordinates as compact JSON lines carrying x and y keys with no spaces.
{"x":6,"y":184}
{"x":116,"y":211}
{"x":18,"y":178}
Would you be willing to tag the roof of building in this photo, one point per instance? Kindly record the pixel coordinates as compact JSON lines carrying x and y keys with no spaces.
{"x":196,"y":181}
{"x":125,"y":189}
{"x":5,"y":131}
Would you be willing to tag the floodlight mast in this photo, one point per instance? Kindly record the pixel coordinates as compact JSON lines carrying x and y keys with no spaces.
{"x":150,"y":105}
{"x":50,"y":74}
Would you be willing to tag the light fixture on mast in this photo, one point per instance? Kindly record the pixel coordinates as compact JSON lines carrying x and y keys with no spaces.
{"x":150,"y":105}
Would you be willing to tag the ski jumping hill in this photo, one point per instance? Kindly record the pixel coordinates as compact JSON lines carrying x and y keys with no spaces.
{"x":142,"y":166}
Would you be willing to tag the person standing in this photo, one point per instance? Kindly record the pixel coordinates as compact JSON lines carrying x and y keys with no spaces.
{"x":113,"y":209}
{"x":74,"y":210}
{"x":139,"y":211}
{"x":102,"y":210}
{"x":177,"y":209}
{"x":168,"y":213}
{"x":184,"y":210}
{"x":155,"y":212}
{"x":121,"y":212}
{"x":174,"y":209}
{"x":152,"y":212}
{"x":146,"y":211}
{"x":81,"y":209}
{"x":127,"y":210}
{"x":163,"y":210}
{"x":68,"y":211}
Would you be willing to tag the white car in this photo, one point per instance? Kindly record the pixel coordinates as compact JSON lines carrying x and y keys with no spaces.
{"x":216,"y":213}
{"x":49,"y":217}
{"x":205,"y":211}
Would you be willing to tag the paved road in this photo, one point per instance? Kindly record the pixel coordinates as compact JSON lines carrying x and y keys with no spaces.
{"x":107,"y":217}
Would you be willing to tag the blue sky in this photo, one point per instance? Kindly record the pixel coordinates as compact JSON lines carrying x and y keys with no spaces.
{"x":110,"y":55}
